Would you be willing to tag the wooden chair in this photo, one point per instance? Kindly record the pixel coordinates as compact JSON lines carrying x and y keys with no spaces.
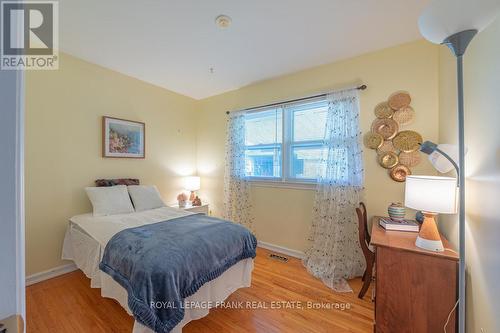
{"x":364,"y":241}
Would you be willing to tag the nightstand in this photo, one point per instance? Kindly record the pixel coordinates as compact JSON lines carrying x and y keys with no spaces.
{"x":195,"y":209}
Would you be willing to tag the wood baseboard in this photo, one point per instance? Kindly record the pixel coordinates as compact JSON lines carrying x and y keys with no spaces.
{"x":49,"y":274}
{"x":281,"y":249}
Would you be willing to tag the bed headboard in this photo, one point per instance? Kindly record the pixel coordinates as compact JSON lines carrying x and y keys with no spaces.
{"x":114,"y":182}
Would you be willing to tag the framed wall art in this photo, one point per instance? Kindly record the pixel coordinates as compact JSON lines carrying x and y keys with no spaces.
{"x":123,"y":138}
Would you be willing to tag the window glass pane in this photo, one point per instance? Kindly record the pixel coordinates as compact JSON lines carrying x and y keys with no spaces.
{"x":306,"y":162}
{"x":263,"y":127}
{"x":263,"y":162}
{"x":309,"y":121}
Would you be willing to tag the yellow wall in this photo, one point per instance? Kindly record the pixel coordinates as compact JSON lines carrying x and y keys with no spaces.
{"x":63,"y":138}
{"x":482,"y":136}
{"x":283,"y":216}
{"x":63,"y":145}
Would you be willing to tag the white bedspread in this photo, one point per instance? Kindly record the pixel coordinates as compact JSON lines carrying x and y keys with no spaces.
{"x":102,"y":228}
{"x":87,"y":236}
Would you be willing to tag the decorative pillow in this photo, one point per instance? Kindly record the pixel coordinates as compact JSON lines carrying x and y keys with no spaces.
{"x":145,"y":197}
{"x":114,"y":182}
{"x":110,"y":200}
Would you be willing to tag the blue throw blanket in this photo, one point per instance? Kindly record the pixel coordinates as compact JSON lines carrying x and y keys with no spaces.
{"x":161,"y":264}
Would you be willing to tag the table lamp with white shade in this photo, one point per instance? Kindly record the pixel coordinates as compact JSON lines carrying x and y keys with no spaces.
{"x":432,"y":195}
{"x":192,"y":184}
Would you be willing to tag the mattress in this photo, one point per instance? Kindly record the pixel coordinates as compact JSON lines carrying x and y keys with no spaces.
{"x":87,"y":236}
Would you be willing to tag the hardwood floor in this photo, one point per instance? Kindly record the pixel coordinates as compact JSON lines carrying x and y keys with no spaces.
{"x":68,"y":304}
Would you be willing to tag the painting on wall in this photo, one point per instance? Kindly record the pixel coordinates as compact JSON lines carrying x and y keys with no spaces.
{"x":123,"y":138}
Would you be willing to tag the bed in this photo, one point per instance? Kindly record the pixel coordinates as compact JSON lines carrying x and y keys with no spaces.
{"x":85,"y":243}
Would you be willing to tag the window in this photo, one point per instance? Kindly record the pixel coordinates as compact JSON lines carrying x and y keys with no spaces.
{"x":285,"y":143}
{"x":308,"y":122}
{"x":263,"y":143}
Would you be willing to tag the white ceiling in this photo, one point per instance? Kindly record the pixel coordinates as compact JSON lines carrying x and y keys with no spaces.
{"x":173,"y":43}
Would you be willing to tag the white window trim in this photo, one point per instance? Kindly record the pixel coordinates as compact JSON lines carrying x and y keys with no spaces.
{"x":286,"y":180}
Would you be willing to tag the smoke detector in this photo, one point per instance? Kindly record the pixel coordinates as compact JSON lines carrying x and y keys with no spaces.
{"x":223,"y":21}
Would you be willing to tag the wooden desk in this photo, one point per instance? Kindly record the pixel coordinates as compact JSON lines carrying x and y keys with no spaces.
{"x":415,"y":289}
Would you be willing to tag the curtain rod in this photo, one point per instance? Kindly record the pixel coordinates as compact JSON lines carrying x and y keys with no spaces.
{"x":362,"y":87}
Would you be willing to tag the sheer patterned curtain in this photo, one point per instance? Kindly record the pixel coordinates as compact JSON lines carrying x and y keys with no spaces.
{"x":335,"y":254}
{"x":237,"y":204}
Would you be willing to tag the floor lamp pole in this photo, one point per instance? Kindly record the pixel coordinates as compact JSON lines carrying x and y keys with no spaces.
{"x":458,"y":44}
{"x":461,"y":180}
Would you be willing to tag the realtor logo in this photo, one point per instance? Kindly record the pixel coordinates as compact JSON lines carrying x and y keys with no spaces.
{"x":29,"y":36}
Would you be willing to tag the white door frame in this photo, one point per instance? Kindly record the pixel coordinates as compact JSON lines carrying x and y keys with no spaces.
{"x":12,"y":256}
{"x":12,"y":230}
{"x":20,"y":226}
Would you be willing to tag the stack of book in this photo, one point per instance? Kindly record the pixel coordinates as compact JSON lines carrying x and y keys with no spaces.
{"x":404,"y":225}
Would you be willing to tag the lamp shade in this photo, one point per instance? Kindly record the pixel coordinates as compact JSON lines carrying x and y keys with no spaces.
{"x":192,"y":183}
{"x":440,"y":162}
{"x":431,"y":194}
{"x":443,"y":18}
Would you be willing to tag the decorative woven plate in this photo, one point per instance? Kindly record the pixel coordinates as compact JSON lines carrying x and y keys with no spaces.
{"x":410,"y":159}
{"x":399,"y":100}
{"x":387,"y":146}
{"x":386,"y":127}
{"x":404,"y":116}
{"x":382,"y":110}
{"x":407,"y":141}
{"x":388,"y":160}
{"x":399,"y":173}
{"x":373,"y":140}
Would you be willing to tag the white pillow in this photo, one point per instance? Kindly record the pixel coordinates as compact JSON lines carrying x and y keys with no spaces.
{"x":110,"y":200}
{"x":145,"y":197}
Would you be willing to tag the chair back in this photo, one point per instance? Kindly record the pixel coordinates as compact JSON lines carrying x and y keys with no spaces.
{"x":364,"y":236}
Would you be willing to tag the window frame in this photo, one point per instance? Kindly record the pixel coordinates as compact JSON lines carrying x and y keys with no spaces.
{"x":286,"y":178}
{"x":267,"y":146}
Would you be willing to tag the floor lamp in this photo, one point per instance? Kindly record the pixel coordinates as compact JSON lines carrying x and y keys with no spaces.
{"x":454,"y":23}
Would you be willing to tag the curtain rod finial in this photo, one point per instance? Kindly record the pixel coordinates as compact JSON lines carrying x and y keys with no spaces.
{"x":362,"y":87}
